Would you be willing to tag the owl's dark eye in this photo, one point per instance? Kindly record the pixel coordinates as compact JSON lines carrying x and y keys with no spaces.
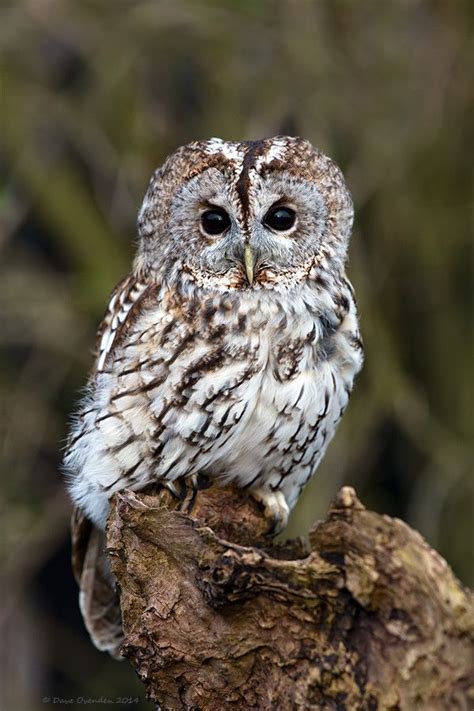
{"x":280,"y":218}
{"x":215,"y":221}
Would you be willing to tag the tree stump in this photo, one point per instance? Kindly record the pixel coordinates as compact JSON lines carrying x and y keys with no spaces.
{"x":217,"y":616}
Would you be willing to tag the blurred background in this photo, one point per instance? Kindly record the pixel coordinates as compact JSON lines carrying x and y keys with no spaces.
{"x":94,"y":95}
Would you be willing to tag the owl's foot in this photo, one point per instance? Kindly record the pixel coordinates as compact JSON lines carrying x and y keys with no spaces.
{"x":275,"y":508}
{"x":185,"y":489}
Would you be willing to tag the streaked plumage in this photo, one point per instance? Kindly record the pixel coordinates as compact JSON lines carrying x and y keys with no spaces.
{"x":203,"y":367}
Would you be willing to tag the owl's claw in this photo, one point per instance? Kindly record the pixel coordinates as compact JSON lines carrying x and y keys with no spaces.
{"x":178,"y":493}
{"x":185,"y":489}
{"x":200,"y":481}
{"x":275,"y":508}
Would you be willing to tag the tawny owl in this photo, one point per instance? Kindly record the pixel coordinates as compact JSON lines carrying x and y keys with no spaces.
{"x":231,"y":349}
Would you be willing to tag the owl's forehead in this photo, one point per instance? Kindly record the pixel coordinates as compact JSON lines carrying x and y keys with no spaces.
{"x":278,"y":153}
{"x":248,"y":161}
{"x":240,"y":158}
{"x":254,"y":154}
{"x":244,"y":163}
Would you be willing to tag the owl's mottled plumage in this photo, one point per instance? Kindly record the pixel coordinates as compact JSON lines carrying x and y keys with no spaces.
{"x":206,"y":367}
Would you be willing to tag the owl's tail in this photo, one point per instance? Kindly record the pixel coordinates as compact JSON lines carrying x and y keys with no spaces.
{"x":98,"y":598}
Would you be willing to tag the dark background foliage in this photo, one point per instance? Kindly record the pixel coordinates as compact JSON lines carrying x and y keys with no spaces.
{"x":94,"y":95}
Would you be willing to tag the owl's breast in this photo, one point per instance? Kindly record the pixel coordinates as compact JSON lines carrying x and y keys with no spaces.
{"x":248,"y":391}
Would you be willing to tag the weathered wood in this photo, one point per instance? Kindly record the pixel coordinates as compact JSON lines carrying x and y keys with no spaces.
{"x":216,"y":616}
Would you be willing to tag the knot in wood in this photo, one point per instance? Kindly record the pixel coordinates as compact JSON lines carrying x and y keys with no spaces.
{"x":235,"y":575}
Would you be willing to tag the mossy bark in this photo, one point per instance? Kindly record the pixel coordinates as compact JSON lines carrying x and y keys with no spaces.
{"x":217,"y":616}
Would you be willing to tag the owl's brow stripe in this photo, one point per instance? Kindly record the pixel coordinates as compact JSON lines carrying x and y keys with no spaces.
{"x":255,"y":148}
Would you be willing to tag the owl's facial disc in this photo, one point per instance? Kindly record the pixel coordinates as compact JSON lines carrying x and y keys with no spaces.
{"x":255,"y":214}
{"x":270,"y":239}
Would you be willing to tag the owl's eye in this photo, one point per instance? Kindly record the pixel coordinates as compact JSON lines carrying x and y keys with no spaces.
{"x":215,"y":221}
{"x":280,"y":218}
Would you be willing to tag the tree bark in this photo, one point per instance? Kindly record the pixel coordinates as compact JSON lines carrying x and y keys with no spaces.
{"x":217,"y":616}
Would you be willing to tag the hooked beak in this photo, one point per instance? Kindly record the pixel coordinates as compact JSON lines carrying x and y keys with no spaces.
{"x":249,"y":263}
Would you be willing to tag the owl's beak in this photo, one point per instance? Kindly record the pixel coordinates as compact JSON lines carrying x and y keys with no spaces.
{"x":249,"y":263}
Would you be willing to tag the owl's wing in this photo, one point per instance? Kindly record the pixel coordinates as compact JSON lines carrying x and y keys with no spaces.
{"x":124,"y":303}
{"x":124,"y":298}
{"x":98,"y":599}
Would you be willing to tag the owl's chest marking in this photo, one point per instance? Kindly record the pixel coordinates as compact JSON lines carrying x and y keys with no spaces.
{"x":248,"y":391}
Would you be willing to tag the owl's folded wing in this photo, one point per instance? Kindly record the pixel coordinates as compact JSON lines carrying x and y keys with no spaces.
{"x":124,"y":298}
{"x":98,"y":599}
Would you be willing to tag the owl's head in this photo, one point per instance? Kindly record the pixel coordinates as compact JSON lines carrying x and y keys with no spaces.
{"x":254,"y":214}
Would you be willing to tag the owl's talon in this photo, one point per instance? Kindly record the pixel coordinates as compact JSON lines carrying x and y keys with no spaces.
{"x":179,"y":494}
{"x":185,"y":489}
{"x":275,"y":508}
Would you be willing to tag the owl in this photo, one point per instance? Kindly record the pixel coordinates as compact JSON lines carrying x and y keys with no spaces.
{"x":228,"y":355}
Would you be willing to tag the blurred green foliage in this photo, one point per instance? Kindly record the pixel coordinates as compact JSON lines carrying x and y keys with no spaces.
{"x":94,"y":94}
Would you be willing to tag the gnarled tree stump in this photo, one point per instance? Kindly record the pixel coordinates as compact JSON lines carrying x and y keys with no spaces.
{"x":216,"y":616}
